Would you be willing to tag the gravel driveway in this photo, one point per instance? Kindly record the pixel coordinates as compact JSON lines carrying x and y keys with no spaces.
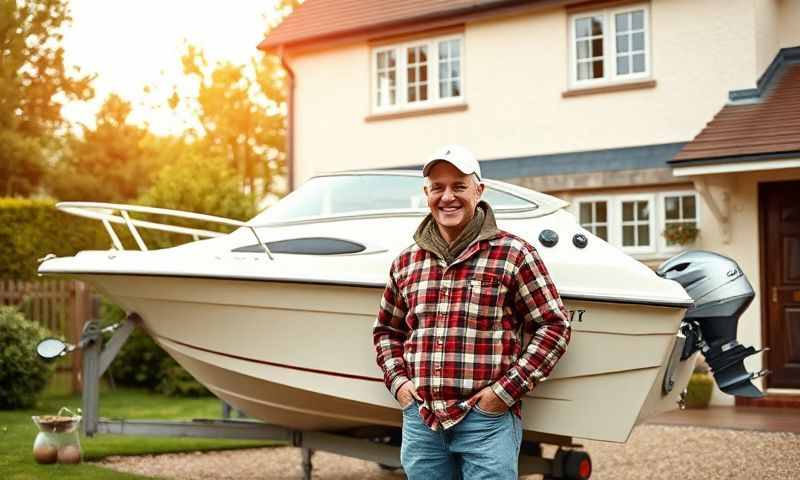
{"x":653,"y":452}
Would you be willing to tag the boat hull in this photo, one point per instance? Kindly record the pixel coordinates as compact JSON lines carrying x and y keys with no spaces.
{"x":301,"y":356}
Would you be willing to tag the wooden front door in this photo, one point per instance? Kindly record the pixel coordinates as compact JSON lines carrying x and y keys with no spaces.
{"x":780,"y":213}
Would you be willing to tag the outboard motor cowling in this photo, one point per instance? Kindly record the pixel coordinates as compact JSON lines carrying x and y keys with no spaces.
{"x":721,"y":293}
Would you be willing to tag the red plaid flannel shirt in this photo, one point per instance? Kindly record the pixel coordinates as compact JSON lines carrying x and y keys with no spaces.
{"x":492,"y":317}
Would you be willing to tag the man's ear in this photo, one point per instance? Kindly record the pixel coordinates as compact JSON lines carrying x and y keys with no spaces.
{"x":481,"y":188}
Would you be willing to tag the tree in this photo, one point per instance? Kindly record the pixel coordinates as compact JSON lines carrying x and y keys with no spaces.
{"x":34,"y":84}
{"x":111,"y":163}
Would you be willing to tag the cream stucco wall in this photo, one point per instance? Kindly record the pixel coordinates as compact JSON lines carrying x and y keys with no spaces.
{"x":789,"y":17}
{"x":515,"y":71}
{"x":767,"y":31}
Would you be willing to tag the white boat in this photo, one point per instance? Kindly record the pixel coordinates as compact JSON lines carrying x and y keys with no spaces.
{"x":276,"y":317}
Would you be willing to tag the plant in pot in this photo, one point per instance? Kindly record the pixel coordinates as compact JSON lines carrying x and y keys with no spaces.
{"x":684,"y":233}
{"x":700,"y":388}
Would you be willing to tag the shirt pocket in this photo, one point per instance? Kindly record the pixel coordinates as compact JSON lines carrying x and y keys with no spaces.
{"x":486,"y":301}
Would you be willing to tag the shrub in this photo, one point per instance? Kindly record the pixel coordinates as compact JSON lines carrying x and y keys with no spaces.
{"x":177,"y":382}
{"x":30,"y":229}
{"x":23,"y":375}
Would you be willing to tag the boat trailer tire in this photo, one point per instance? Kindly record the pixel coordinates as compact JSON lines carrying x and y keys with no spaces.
{"x":571,"y":465}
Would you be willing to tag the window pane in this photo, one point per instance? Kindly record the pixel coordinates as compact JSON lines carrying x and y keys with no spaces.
{"x":455,"y":48}
{"x":689,"y":209}
{"x":456,"y":86}
{"x":671,"y":208}
{"x":627,"y":236}
{"x":423,"y":74}
{"x":444,"y":89}
{"x":638,"y":41}
{"x":627,"y":211}
{"x":602,"y":232}
{"x":583,"y":49}
{"x":597,"y":47}
{"x":423,"y":54}
{"x":584,"y":71}
{"x":382,"y":60}
{"x":412,"y":55}
{"x":637,"y":19}
{"x":423,"y":92}
{"x":622,"y":22}
{"x":412,"y":94}
{"x":582,"y":27}
{"x":638,"y":63}
{"x":622,"y":66}
{"x":412,"y":75}
{"x":642,"y":210}
{"x":585,"y":212}
{"x":443,"y":71}
{"x":622,"y":43}
{"x":392,"y":96}
{"x":644,"y":235}
{"x":597,"y":25}
{"x":597,"y":70}
{"x":392,"y":59}
{"x":600,"y":212}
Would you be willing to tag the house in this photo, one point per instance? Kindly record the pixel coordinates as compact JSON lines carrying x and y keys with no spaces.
{"x":666,"y":123}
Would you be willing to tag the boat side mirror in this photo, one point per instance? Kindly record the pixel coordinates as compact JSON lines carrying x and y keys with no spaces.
{"x":51,"y":348}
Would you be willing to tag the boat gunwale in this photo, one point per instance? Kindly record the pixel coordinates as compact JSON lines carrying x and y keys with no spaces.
{"x":568,"y":295}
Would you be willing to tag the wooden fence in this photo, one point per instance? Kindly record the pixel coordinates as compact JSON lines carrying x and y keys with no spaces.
{"x":61,"y":306}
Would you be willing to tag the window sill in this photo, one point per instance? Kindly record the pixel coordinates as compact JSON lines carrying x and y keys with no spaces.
{"x":617,"y":87}
{"x":416,"y":112}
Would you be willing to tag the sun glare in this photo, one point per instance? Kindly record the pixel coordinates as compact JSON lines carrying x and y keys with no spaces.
{"x":134,"y":47}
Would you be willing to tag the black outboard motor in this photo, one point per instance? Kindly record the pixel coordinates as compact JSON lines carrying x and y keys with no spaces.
{"x":721,"y":293}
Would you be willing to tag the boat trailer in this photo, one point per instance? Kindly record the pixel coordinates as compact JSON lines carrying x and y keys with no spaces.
{"x":377,"y":443}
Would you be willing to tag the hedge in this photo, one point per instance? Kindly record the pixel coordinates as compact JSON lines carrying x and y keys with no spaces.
{"x":30,"y":229}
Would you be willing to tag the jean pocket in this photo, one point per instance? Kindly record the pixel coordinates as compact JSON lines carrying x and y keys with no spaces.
{"x":484,"y":413}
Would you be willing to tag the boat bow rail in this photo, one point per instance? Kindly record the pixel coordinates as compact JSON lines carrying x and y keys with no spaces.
{"x":107,"y":214}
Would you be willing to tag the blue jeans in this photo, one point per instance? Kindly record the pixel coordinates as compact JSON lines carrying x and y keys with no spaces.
{"x":481,"y":446}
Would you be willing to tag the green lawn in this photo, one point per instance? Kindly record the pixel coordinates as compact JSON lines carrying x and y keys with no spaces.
{"x":17,"y":432}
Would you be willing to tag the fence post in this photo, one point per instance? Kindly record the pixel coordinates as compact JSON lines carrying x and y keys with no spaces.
{"x":80,"y":315}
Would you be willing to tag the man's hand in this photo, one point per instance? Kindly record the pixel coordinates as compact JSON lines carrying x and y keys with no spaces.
{"x":488,"y":401}
{"x":407,"y":393}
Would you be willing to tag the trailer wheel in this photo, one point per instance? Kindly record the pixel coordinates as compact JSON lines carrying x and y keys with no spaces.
{"x":577,"y":465}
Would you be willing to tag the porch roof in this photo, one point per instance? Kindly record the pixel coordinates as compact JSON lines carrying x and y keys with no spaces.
{"x":760,"y":131}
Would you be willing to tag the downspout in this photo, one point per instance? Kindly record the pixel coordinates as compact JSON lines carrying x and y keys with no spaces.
{"x":289,"y":119}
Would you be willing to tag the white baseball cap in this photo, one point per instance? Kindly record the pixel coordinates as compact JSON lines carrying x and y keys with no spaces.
{"x":456,"y":155}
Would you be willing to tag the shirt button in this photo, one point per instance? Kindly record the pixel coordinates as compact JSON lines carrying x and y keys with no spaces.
{"x":440,"y":341}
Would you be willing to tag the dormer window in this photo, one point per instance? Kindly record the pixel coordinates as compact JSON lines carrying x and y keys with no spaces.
{"x":418,"y":74}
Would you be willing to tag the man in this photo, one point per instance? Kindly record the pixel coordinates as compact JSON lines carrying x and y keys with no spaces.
{"x":450,"y":329}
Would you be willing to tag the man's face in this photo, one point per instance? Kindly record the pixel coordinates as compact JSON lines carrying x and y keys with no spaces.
{"x":452,"y":197}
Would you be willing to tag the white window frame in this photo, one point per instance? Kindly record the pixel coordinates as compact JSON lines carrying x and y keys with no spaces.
{"x":662,"y":220}
{"x":649,"y":197}
{"x":609,"y":212}
{"x":610,"y":75}
{"x":401,"y":79}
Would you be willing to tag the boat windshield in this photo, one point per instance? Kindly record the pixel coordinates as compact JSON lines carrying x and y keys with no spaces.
{"x":349,"y":195}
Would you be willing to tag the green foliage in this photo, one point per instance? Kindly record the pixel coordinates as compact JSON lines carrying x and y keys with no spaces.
{"x":30,"y":229}
{"x":110,"y":163}
{"x":34,"y":84}
{"x":22,"y":374}
{"x":681,"y":233}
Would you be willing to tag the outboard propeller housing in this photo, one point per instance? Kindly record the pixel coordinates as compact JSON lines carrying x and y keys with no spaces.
{"x":721,"y":293}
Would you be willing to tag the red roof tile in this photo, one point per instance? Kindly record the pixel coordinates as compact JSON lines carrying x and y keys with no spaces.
{"x":320,"y":19}
{"x":771,"y":126}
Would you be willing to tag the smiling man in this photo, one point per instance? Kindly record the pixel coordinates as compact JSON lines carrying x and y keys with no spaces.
{"x":468,"y":324}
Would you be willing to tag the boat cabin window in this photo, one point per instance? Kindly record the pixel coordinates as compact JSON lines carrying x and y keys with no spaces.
{"x":337,"y":195}
{"x":306,"y":246}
